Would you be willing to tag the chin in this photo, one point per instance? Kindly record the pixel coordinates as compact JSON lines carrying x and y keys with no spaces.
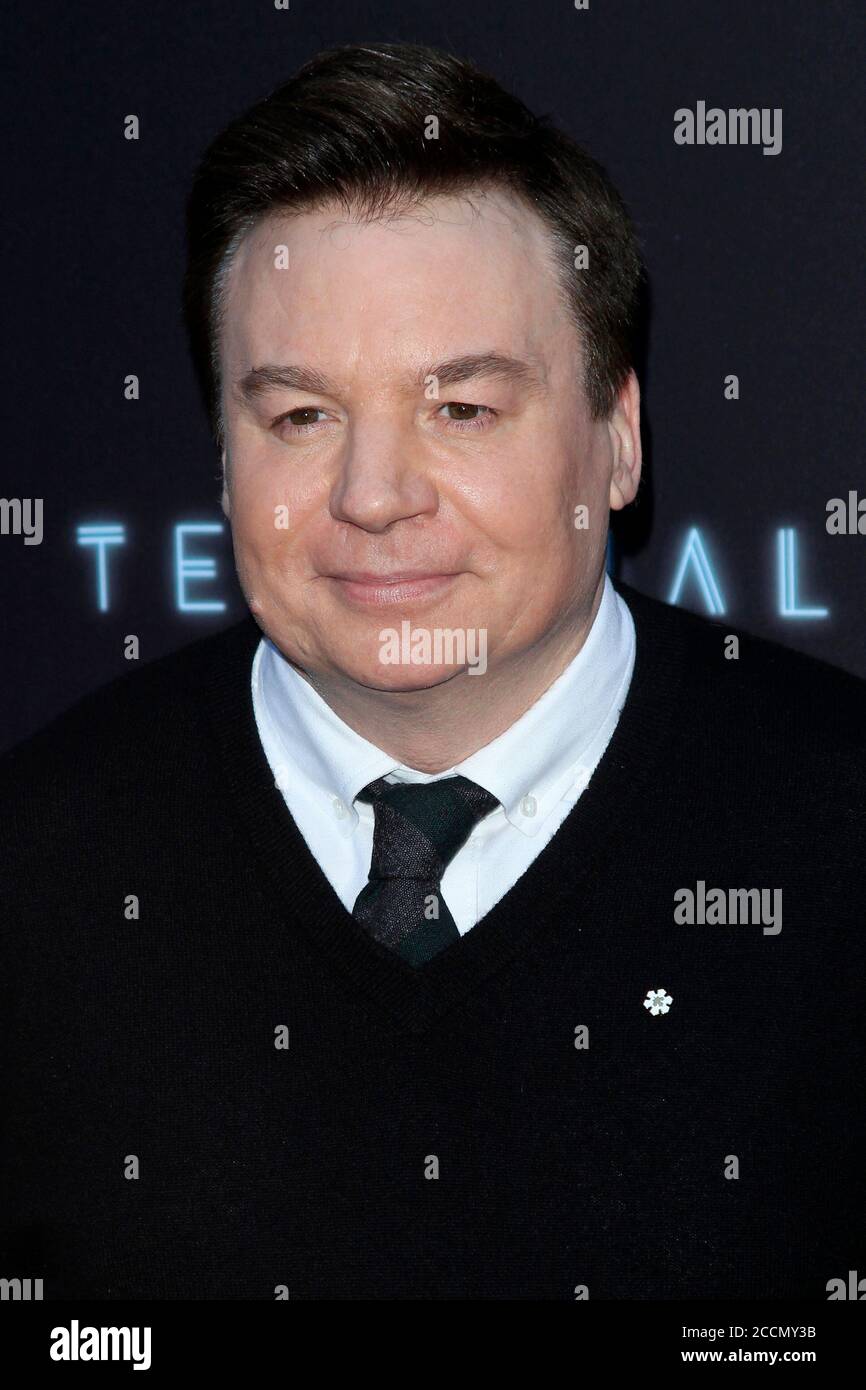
{"x":402,"y":678}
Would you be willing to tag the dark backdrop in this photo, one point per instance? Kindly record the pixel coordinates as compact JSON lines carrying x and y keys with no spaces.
{"x":755,"y":265}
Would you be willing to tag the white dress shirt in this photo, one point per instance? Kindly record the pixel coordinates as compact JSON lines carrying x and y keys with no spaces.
{"x":536,"y":769}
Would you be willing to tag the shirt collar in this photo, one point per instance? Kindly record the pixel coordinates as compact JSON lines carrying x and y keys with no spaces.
{"x":528,"y":768}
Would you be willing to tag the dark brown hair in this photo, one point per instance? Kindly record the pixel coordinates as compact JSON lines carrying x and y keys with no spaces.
{"x":350,"y":127}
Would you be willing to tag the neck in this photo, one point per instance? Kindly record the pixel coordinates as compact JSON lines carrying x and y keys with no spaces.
{"x":434,"y":729}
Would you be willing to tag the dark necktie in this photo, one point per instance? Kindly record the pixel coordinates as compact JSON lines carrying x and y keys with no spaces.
{"x":419,"y":828}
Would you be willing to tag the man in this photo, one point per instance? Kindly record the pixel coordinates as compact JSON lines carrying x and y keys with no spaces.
{"x":457,"y":926}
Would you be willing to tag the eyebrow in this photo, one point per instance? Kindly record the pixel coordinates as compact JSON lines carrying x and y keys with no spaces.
{"x":277,"y":377}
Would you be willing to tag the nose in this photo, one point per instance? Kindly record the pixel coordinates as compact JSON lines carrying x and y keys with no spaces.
{"x":382,"y":477}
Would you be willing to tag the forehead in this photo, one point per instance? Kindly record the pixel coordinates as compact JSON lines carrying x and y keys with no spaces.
{"x":450,"y":275}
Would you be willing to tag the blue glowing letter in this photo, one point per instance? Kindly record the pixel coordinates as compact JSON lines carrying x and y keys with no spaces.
{"x":786,"y":559}
{"x":203,"y":568}
{"x":100,"y":536}
{"x":695,"y":554}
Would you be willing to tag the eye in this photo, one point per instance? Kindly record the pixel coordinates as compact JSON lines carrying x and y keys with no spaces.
{"x":463,"y":416}
{"x":300,"y":420}
{"x":465,"y":419}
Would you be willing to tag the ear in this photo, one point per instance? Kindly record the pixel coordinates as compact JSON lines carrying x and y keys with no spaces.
{"x":624,"y":427}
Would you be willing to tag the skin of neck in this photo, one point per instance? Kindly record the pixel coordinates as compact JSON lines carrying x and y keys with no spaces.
{"x":434,"y":729}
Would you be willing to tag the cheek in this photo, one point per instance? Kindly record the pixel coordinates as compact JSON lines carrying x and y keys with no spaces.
{"x":256,"y":547}
{"x":549,"y":549}
{"x":502,"y":511}
{"x":533,"y":525}
{"x":539,"y":488}
{"x":267,"y":523}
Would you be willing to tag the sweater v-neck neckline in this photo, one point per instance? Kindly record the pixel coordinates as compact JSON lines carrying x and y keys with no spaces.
{"x":541,"y":899}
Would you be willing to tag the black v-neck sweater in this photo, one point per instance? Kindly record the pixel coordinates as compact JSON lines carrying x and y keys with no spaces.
{"x":509,"y":1121}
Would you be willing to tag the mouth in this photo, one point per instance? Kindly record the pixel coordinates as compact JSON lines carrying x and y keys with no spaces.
{"x":379,"y":590}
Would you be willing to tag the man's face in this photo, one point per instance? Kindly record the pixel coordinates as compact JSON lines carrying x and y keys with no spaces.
{"x":425,"y":456}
